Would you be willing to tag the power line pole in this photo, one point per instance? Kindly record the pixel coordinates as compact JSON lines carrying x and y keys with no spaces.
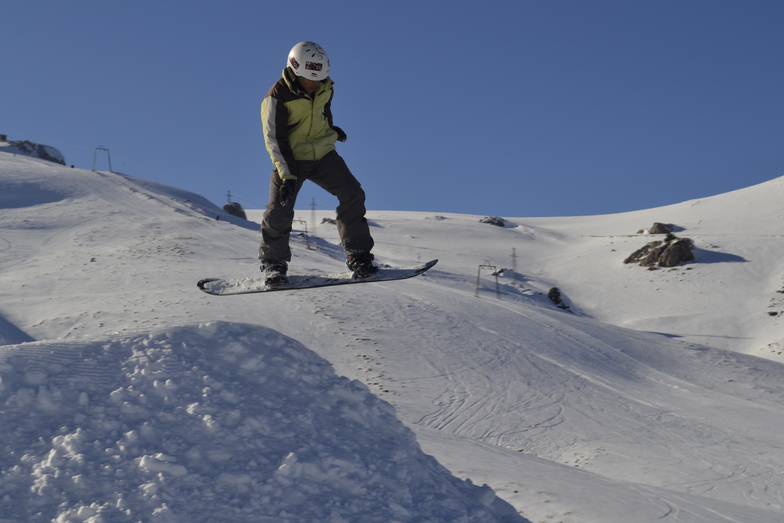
{"x":307,"y":240}
{"x":108,"y":156}
{"x":313,"y":217}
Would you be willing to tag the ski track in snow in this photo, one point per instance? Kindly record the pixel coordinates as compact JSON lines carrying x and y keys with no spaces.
{"x":477,"y":390}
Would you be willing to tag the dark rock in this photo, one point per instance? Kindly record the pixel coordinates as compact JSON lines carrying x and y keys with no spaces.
{"x":235,"y":209}
{"x":677,"y":253}
{"x":661,"y":228}
{"x":555,"y":296}
{"x":493,"y":220}
{"x":671,"y":252}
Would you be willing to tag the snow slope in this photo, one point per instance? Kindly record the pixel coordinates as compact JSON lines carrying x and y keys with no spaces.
{"x":129,"y":395}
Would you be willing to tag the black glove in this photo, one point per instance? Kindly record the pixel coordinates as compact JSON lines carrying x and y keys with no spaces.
{"x":287,"y":193}
{"x":341,"y":135}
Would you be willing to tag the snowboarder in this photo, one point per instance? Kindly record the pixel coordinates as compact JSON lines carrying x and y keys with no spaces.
{"x":300,"y":137}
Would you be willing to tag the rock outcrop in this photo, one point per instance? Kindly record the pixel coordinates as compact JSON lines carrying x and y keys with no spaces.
{"x":27,"y":148}
{"x":670,"y":252}
{"x":235,"y":209}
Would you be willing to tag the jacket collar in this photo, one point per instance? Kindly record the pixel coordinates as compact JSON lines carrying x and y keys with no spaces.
{"x":291,"y":82}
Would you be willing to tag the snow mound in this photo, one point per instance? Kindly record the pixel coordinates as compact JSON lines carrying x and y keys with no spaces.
{"x":216,"y":422}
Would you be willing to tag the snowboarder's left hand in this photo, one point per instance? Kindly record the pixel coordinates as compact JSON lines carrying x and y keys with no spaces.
{"x":341,"y":135}
{"x":288,"y":193}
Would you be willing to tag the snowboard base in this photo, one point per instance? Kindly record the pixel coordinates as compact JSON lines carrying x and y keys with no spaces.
{"x":233,"y":286}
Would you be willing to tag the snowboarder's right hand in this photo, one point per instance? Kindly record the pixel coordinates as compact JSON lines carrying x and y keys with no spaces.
{"x":288,"y":193}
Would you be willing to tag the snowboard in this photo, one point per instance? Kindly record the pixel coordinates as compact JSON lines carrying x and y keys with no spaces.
{"x":232,"y":286}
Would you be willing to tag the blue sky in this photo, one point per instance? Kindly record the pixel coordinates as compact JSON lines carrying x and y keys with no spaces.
{"x":509,"y":108}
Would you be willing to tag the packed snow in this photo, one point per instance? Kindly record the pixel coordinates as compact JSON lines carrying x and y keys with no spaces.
{"x":464,"y":394}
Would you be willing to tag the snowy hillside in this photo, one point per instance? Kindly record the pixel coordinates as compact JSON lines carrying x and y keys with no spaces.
{"x":128,"y":395}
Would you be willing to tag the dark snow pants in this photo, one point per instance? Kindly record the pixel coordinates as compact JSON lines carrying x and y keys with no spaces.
{"x":333,"y":175}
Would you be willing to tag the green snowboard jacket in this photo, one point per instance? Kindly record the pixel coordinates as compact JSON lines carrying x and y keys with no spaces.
{"x":297,"y":126}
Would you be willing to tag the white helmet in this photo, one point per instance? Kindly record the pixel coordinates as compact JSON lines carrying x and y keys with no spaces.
{"x":309,"y":60}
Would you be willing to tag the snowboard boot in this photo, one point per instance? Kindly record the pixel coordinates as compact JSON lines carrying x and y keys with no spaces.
{"x":361,"y":265}
{"x":274,"y":273}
